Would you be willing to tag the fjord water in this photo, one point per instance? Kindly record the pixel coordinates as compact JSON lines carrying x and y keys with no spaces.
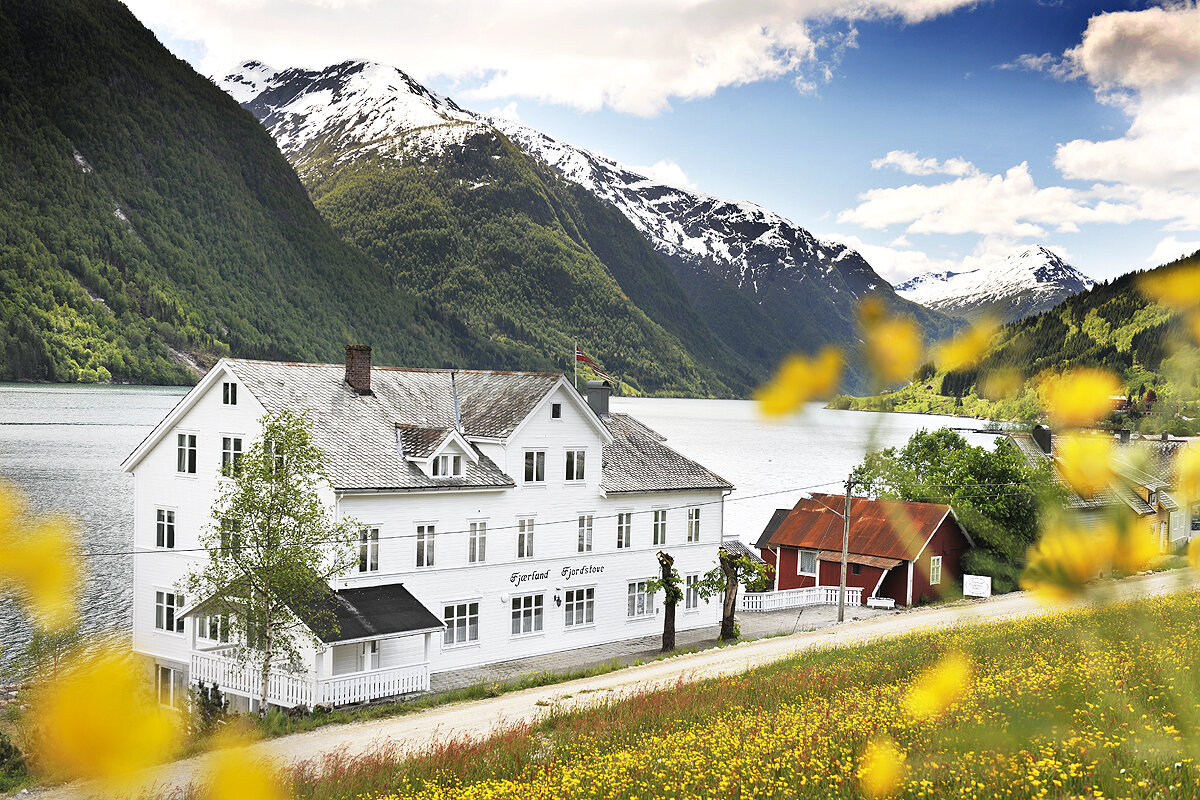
{"x":63,"y":446}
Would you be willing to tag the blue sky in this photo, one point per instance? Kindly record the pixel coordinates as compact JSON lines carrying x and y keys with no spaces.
{"x":789,"y":104}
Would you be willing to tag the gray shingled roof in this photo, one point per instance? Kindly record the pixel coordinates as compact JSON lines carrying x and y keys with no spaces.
{"x":736,"y":547}
{"x":358,"y":433}
{"x":420,"y":442}
{"x":638,"y":461}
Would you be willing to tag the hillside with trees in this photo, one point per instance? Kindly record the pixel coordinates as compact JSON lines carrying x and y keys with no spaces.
{"x":148,"y":225}
{"x":1112,"y":326}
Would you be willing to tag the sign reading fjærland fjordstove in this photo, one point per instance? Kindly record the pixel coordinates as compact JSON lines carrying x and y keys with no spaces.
{"x":977,"y":586}
{"x":567,"y":573}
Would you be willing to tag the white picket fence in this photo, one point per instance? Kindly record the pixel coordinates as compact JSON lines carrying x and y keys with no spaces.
{"x":289,"y":690}
{"x":795,"y":598}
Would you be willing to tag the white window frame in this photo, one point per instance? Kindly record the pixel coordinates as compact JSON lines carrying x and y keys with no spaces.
{"x":693,"y":524}
{"x":213,"y":623}
{"x":691,"y":592}
{"x":171,"y":674}
{"x":639,"y":600}
{"x":935,"y":570}
{"x":659,"y":537}
{"x":576,"y":462}
{"x":524,"y":537}
{"x":448,"y":466}
{"x":164,"y":528}
{"x":528,"y":614}
{"x":231,"y":453}
{"x":167,"y":613}
{"x":477,"y":541}
{"x":800,"y":554}
{"x":230,"y":532}
{"x":426,"y":533}
{"x":624,"y":530}
{"x":459,"y":617}
{"x":187,"y":451}
{"x":584,"y":542}
{"x":579,"y":607}
{"x":368,"y":549}
{"x":556,"y":411}
{"x":229,"y":393}
{"x":368,"y":656}
{"x":534,"y":467}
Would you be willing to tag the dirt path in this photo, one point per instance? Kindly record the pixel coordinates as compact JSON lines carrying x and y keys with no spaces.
{"x":478,"y":718}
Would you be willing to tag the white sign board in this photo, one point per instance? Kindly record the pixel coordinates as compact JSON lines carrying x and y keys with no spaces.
{"x":977,"y":586}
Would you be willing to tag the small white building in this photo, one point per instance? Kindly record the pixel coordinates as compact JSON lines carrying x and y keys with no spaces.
{"x":503,"y":516}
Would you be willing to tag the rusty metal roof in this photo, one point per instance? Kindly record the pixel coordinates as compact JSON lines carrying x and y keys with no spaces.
{"x":854,"y":558}
{"x":887,"y":529}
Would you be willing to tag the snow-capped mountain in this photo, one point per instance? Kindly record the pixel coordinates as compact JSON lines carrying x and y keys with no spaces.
{"x":1024,"y":283}
{"x":765,"y":286}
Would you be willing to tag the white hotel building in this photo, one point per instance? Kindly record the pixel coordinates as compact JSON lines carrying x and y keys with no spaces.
{"x":503,"y":516}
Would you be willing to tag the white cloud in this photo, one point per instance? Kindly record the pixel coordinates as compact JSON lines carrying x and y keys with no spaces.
{"x":631,"y":55}
{"x":1060,"y":67}
{"x":1170,"y":249}
{"x":667,"y":172}
{"x":506,"y":112}
{"x":912,"y":164}
{"x":999,"y":205}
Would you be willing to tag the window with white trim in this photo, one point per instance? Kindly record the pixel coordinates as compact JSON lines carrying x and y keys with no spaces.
{"x":425,"y":535}
{"x":693,"y":534}
{"x":535,"y":466}
{"x":164,"y":532}
{"x":806,"y":562}
{"x":691,"y":592}
{"x":368,"y":550}
{"x":527,"y":614}
{"x":579,"y":607}
{"x":935,"y":570}
{"x":556,"y":411}
{"x":640,"y":600}
{"x":462,"y":623}
{"x":525,"y":538}
{"x":368,"y":656}
{"x":585,"y":533}
{"x":185,"y":453}
{"x":624,"y":527}
{"x":229,"y":393}
{"x":166,"y":608}
{"x":575,"y":462}
{"x":170,"y":685}
{"x":448,"y":466}
{"x":231,"y":455}
{"x":231,"y":538}
{"x":213,"y":628}
{"x":477,"y":542}
{"x":660,"y":526}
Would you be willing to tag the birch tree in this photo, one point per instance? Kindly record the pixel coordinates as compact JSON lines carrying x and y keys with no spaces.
{"x":272,"y":548}
{"x":723,"y":580}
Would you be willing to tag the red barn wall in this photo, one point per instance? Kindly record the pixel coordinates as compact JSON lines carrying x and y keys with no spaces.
{"x":831,"y":575}
{"x":949,"y":543}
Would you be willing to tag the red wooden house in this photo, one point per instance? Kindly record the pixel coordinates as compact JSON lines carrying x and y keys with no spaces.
{"x":909,"y":552}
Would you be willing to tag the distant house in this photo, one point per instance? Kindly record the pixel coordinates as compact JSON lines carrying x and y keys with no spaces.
{"x":908,"y":552}
{"x":1145,"y":483}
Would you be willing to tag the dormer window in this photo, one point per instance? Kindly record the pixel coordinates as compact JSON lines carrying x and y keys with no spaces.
{"x":447,"y":467}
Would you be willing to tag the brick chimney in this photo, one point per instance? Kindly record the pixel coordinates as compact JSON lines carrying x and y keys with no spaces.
{"x":358,"y":367}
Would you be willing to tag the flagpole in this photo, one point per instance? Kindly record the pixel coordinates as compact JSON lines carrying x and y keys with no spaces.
{"x":575,"y":361}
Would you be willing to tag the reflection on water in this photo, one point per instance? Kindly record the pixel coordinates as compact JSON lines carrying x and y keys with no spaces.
{"x":63,"y":445}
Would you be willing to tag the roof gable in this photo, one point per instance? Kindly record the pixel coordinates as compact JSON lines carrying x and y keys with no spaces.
{"x":890,"y":529}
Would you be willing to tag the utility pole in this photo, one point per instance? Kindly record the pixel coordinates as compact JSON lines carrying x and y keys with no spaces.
{"x":845,"y":552}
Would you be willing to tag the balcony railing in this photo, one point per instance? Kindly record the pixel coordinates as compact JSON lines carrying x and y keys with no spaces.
{"x":289,"y":690}
{"x":795,"y":598}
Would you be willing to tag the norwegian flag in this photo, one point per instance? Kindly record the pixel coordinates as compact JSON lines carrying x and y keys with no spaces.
{"x":581,"y":356}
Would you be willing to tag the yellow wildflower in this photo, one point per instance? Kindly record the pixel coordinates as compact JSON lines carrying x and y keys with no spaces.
{"x":1194,"y":553}
{"x":1134,"y":544}
{"x":1080,"y":397}
{"x":1066,"y":559}
{"x":998,"y":384}
{"x":1177,"y":288}
{"x":234,"y":774}
{"x":968,"y":347}
{"x":893,"y":344}
{"x":1187,"y":473}
{"x":1085,"y":462}
{"x":38,"y":562}
{"x":882,"y":768}
{"x":96,"y":721}
{"x":939,"y":687}
{"x":799,"y":380}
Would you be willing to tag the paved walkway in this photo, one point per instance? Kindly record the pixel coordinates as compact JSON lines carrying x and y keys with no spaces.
{"x":478,"y":718}
{"x":647,"y":648}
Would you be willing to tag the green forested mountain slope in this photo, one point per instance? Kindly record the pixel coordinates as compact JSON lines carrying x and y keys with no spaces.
{"x":143,"y":212}
{"x":1113,"y":325}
